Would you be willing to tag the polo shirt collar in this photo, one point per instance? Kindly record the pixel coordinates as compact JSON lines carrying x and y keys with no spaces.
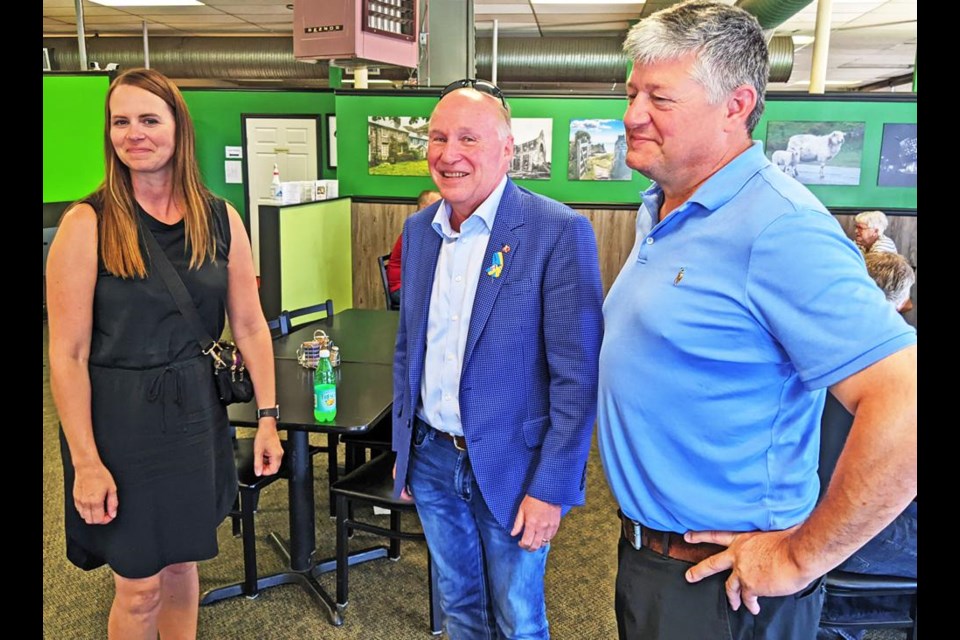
{"x":722,"y":186}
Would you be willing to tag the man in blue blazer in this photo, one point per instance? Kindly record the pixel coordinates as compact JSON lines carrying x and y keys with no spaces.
{"x":495,"y":373}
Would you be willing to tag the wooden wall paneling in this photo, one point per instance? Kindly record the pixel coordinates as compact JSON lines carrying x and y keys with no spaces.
{"x":616,"y":231}
{"x":375,"y":229}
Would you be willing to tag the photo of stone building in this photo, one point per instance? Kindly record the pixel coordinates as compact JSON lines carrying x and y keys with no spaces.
{"x":598,"y":150}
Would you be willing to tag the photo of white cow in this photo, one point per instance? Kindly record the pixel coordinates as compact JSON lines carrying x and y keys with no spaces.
{"x":817,"y":152}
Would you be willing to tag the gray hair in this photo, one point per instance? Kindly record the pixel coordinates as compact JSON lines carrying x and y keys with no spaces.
{"x":729,"y":43}
{"x":893,"y":274}
{"x":874,"y":219}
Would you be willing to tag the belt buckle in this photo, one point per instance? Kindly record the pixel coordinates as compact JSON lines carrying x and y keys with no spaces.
{"x":634,"y":528}
{"x":456,"y":442}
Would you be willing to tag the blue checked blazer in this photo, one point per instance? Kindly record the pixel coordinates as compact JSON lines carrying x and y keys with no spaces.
{"x":528,"y":386}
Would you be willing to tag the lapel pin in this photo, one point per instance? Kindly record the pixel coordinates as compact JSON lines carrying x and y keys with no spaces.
{"x":497,"y":266}
{"x":679,"y":277}
{"x":506,"y":248}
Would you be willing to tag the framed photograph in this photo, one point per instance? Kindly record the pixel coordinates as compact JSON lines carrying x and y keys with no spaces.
{"x":532,"y":146}
{"x":598,"y":150}
{"x":898,"y":156}
{"x":817,"y":152}
{"x":397,"y":146}
{"x":332,"y":141}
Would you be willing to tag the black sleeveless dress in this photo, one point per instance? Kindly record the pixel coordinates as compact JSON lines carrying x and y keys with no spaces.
{"x":159,"y":426}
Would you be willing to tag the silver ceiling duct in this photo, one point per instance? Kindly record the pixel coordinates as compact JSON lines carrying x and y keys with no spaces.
{"x":270,"y":59}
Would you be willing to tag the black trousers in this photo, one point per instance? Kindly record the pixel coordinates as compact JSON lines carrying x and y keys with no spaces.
{"x":655,"y":602}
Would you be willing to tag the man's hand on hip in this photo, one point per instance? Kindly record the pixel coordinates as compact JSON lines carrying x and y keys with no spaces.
{"x":760,"y":561}
{"x":538,"y":520}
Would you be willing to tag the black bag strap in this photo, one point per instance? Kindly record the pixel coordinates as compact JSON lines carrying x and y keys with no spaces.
{"x":178,"y":291}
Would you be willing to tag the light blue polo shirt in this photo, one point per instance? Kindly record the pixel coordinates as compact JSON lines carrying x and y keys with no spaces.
{"x":721,"y":334}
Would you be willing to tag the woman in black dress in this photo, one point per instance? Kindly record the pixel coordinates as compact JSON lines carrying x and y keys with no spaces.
{"x":148,"y":459}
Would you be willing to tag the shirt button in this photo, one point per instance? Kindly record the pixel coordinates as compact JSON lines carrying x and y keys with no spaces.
{"x":454,"y":317}
{"x":649,"y":240}
{"x":458,"y":278}
{"x":449,"y":356}
{"x":447,"y":397}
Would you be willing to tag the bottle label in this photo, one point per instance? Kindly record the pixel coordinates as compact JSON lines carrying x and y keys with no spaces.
{"x":328,"y":400}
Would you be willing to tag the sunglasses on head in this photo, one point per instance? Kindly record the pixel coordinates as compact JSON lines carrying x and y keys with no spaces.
{"x":480,"y":85}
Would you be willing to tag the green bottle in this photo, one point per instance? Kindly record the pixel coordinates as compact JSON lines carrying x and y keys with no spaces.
{"x":324,"y":389}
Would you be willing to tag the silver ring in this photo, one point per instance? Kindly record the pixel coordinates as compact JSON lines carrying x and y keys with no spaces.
{"x":544,"y":540}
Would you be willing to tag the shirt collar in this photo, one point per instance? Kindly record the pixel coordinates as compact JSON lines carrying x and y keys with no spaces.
{"x":722,"y":186}
{"x":487,"y":212}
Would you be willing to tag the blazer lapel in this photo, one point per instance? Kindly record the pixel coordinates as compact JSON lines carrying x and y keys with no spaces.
{"x":509,"y":217}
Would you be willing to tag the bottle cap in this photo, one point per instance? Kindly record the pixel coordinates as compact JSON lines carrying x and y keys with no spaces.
{"x":324,"y":353}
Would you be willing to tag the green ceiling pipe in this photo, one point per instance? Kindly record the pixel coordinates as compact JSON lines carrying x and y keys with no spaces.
{"x":772,"y":13}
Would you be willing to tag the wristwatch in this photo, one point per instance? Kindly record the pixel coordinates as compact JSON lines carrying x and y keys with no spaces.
{"x":272,"y":412}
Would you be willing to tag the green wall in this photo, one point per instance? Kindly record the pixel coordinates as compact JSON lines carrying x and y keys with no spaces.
{"x":216,"y":116}
{"x":72,"y":134}
{"x":73,"y":121}
{"x":316,"y":258}
{"x":873,"y":114}
{"x":873,"y":110}
{"x":353,"y":110}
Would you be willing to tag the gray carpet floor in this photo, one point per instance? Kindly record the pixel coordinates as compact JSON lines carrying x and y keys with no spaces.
{"x":388,"y":600}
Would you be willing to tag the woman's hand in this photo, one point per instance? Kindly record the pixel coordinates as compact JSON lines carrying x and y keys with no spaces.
{"x":95,"y":494}
{"x":267,"y":450}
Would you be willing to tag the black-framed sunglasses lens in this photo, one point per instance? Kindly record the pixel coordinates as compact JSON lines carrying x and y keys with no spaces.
{"x":480,"y":85}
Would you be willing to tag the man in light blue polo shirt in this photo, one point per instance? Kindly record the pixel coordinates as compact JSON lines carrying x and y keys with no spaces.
{"x":741,"y":303}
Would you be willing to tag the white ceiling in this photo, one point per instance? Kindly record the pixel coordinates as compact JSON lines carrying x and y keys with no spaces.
{"x":871,"y":41}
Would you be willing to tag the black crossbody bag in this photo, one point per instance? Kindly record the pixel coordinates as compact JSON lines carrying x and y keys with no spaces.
{"x":229,"y":372}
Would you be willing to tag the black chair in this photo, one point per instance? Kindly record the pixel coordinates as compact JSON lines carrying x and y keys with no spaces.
{"x":372,"y":484}
{"x":835,"y":425}
{"x":248,"y":498}
{"x":377,"y":440}
{"x":279,"y":326}
{"x":325,"y":308}
{"x":383,"y":261}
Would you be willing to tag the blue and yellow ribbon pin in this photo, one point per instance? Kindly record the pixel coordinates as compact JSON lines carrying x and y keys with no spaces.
{"x":497,"y":266}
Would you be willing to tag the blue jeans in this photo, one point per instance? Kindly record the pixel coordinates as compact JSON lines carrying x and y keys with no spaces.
{"x":892,"y":552}
{"x":490,"y":588}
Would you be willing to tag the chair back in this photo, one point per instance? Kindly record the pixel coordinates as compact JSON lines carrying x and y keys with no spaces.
{"x":279,"y":326}
{"x":325,"y":309}
{"x":383,"y":261}
{"x":835,"y":426}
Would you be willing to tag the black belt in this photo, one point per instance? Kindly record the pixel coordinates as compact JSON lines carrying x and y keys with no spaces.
{"x":459,"y":442}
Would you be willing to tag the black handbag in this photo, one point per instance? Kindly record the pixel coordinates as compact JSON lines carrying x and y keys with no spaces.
{"x":230,"y":375}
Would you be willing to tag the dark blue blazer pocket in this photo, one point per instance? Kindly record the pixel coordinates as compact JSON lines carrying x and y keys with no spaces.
{"x":535,"y":430}
{"x":518,"y":287}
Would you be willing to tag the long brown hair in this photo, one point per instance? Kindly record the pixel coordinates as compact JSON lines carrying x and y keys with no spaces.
{"x":119,"y":248}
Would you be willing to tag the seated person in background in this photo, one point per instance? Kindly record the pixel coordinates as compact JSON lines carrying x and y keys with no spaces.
{"x":424,"y":200}
{"x":894,"y":275}
{"x":893,"y":551}
{"x":869,"y":233}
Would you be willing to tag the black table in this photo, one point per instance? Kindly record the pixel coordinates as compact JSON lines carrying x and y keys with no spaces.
{"x":363,"y":335}
{"x":364,"y":397}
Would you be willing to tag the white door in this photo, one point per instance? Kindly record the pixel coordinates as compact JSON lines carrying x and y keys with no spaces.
{"x":291,"y":143}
